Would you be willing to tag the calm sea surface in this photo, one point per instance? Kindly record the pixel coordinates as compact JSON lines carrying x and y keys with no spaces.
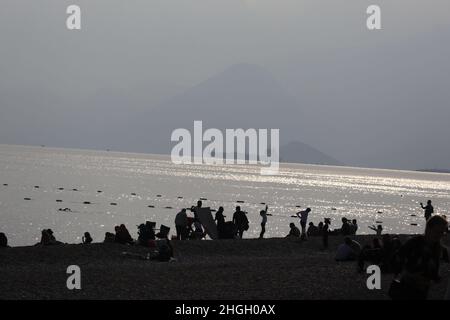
{"x":368,"y":195}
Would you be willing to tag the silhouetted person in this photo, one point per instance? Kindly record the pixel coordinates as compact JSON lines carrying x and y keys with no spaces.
{"x":47,"y":237}
{"x":320,"y":228}
{"x":353,"y":227}
{"x":263,"y":214}
{"x":87,"y":239}
{"x":240,"y":221}
{"x":150,"y":230}
{"x":303,"y":215}
{"x":378,"y":229}
{"x":294,"y":232}
{"x":312,"y":230}
{"x":122,"y":235}
{"x":146,"y":233}
{"x":3,"y":240}
{"x":220,"y":220}
{"x":417,"y":262}
{"x":109,"y":237}
{"x":429,"y":210}
{"x":181,"y":225}
{"x":325,"y":231}
{"x":195,"y":209}
{"x":345,"y":229}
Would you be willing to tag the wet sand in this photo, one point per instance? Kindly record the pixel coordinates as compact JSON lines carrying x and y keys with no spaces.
{"x":227,"y":269}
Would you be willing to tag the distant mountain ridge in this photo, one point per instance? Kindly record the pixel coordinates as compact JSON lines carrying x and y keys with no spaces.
{"x":241,"y":96}
{"x":299,"y":152}
{"x":293,"y":152}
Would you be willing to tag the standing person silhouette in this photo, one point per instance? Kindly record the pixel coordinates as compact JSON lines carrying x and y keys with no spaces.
{"x":181,"y":225}
{"x":303,"y":215}
{"x":429,"y":210}
{"x":220,"y":220}
{"x":263,"y":214}
{"x":325,"y":231}
{"x":240,"y":221}
{"x":195,"y":209}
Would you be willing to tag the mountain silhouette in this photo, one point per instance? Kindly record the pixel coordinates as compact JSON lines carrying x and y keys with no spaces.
{"x":242,"y":96}
{"x":299,"y":152}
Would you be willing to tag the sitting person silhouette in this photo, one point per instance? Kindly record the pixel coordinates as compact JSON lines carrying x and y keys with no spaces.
{"x":294,"y":232}
{"x":87,"y":239}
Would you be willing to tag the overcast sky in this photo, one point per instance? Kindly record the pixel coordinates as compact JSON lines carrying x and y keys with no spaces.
{"x":369,"y":98}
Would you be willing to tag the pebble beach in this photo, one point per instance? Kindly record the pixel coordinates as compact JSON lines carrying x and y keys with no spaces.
{"x":248,"y":269}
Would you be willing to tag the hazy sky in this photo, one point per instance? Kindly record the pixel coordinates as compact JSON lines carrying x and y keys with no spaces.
{"x":370,"y":98}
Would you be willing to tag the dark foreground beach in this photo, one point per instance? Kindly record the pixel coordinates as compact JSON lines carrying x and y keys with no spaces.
{"x":227,"y":269}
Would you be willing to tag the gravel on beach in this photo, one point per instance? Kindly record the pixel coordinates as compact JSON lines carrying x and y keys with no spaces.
{"x":248,"y":269}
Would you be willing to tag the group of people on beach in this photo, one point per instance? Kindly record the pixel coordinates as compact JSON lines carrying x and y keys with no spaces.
{"x":415,"y":263}
{"x":192,"y":228}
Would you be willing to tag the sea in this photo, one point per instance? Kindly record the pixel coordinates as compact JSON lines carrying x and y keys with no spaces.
{"x":102,"y":189}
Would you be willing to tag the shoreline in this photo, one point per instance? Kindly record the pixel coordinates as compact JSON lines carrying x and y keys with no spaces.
{"x":257,"y":269}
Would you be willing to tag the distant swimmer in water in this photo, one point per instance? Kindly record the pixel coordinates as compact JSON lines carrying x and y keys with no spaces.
{"x":65,"y":209}
{"x":429,"y":210}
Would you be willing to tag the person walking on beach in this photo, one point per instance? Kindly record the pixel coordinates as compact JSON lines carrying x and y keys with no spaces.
{"x":416,"y":263}
{"x":181,"y":224}
{"x":240,"y":221}
{"x":263,"y":214}
{"x":429,"y":210}
{"x":303,"y":215}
